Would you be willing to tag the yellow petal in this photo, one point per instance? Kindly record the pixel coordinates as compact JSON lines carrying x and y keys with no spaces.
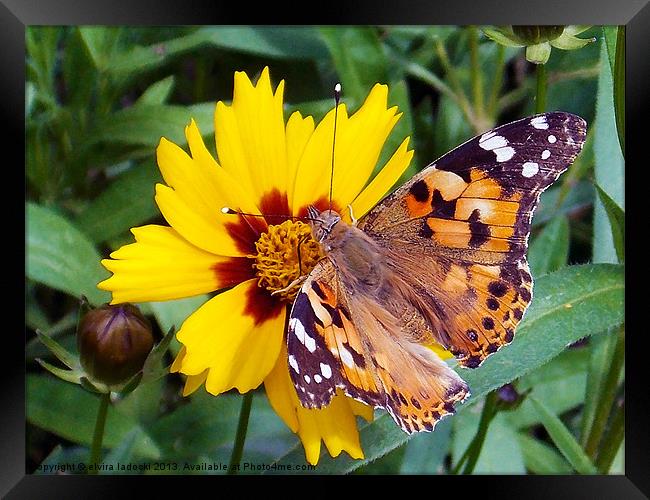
{"x":314,"y":167}
{"x":383,"y":181}
{"x":161,"y":265}
{"x":192,"y":382}
{"x":334,"y":424}
{"x":226,"y":337}
{"x":209,"y":234}
{"x":250,"y":134}
{"x":359,"y":141}
{"x":299,"y":130}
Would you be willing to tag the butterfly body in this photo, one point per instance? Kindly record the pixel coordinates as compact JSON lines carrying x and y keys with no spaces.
{"x":441,"y":261}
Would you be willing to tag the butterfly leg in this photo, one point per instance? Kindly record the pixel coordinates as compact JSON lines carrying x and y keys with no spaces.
{"x":352,"y":217}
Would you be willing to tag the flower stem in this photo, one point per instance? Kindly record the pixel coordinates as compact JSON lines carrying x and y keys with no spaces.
{"x":540,"y":102}
{"x":607,"y":396}
{"x":98,"y":435}
{"x":612,"y":441}
{"x":473,"y":451}
{"x":240,"y":438}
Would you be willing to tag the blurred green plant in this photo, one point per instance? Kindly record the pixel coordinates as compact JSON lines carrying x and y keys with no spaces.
{"x":98,"y":99}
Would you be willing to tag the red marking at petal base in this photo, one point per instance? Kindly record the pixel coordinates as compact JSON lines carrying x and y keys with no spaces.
{"x":261,"y":305}
{"x":321,"y":204}
{"x":275,"y":206}
{"x":234,"y":271}
{"x":248,"y":229}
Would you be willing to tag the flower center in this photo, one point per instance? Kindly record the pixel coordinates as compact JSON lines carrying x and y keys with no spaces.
{"x":284,"y":253}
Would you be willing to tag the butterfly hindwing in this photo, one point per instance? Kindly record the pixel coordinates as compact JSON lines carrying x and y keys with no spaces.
{"x":336,"y":340}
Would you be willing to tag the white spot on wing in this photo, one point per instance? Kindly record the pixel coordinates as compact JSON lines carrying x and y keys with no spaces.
{"x":539,"y":122}
{"x":293,"y":363}
{"x":307,"y":378}
{"x":552,"y":139}
{"x":326,"y":370}
{"x":546,"y":154}
{"x":298,"y":329}
{"x":346,"y":357}
{"x":318,"y":379}
{"x":302,"y":335}
{"x":498,"y":145}
{"x":529,"y":169}
{"x":310,"y":343}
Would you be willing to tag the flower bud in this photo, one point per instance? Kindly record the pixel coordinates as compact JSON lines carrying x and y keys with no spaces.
{"x":114,"y":341}
{"x":531,"y":35}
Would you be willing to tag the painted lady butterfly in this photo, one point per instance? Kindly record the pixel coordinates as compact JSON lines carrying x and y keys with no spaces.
{"x":442,"y":259}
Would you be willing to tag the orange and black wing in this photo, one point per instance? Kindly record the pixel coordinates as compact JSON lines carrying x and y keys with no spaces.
{"x":347,"y":341}
{"x":459,"y":229}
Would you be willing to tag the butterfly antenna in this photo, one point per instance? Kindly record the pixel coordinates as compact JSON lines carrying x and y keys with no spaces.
{"x":337,"y":98}
{"x":230,"y":211}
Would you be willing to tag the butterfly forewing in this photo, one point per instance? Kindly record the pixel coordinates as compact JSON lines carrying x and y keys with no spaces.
{"x":476,"y":202}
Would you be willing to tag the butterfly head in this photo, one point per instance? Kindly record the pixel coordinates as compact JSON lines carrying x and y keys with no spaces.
{"x":322,"y":223}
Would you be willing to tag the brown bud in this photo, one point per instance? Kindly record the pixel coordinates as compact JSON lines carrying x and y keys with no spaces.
{"x":531,"y":35}
{"x":114,"y":342}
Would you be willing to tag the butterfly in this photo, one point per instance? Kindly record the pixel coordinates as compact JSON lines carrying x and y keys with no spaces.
{"x":441,"y":260}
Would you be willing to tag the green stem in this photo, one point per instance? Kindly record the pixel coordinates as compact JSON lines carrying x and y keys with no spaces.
{"x":612,"y":441}
{"x":98,"y":435}
{"x":496,"y":82}
{"x":607,"y":396}
{"x":473,"y":451}
{"x":540,"y":102}
{"x":240,"y":438}
{"x":476,"y":74}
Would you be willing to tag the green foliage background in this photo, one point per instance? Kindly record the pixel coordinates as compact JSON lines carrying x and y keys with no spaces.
{"x":98,"y":99}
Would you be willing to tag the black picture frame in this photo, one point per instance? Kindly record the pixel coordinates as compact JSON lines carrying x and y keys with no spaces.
{"x":16,"y":15}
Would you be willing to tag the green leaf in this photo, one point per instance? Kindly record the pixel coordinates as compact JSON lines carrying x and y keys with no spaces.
{"x":100,"y":42}
{"x":500,"y":453}
{"x":564,"y":440}
{"x":609,"y":167}
{"x":616,"y":218}
{"x":579,"y":197}
{"x":69,"y":412}
{"x":358,"y":57}
{"x":278,"y":43}
{"x":425,"y":453}
{"x":157,"y":93}
{"x":144,"y":125}
{"x":206,"y":426}
{"x":129,"y":202}
{"x":609,"y":36}
{"x":619,"y":87}
{"x":122,"y":454}
{"x":568,"y":305}
{"x":59,"y":351}
{"x":541,"y":458}
{"x":172,"y":313}
{"x":550,"y":249}
{"x":559,"y":384}
{"x":60,"y":256}
{"x":615,"y":41}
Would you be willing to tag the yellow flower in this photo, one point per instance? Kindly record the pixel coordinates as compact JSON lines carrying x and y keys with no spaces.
{"x":237,"y":338}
